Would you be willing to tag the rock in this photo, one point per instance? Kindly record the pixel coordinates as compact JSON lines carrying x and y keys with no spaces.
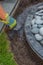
{"x":41,"y":31}
{"x":39,"y":26}
{"x":39,"y":13}
{"x":34,"y":26}
{"x":38,"y":37}
{"x":41,"y":17}
{"x":37,"y":17}
{"x":35,"y":30}
{"x":38,"y":21}
{"x":36,"y":13}
{"x":33,"y":22}
{"x":41,"y":42}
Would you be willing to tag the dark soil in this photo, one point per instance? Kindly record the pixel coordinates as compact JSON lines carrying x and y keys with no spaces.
{"x":23,"y":54}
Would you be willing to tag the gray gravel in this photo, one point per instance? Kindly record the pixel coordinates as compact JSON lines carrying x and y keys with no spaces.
{"x":38,"y":37}
{"x":35,"y":30}
{"x":41,"y":31}
{"x":41,"y":42}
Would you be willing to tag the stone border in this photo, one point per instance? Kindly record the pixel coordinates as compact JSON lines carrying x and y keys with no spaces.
{"x":37,"y":48}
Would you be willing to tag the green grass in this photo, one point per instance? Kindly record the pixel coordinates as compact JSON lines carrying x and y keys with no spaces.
{"x":6,"y":57}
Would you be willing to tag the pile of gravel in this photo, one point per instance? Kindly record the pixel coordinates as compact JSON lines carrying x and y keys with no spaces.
{"x":37,"y":28}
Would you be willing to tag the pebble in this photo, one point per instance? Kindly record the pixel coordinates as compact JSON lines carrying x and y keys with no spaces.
{"x":38,"y":21}
{"x":34,"y":26}
{"x":33,"y":22}
{"x":38,"y":37}
{"x":41,"y":17}
{"x":35,"y":30}
{"x":41,"y":31}
{"x":39,"y":26}
{"x":41,"y":42}
{"x":39,"y":13}
{"x":37,"y":17}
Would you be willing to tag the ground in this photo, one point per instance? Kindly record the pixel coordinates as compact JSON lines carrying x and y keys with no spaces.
{"x":19,"y":46}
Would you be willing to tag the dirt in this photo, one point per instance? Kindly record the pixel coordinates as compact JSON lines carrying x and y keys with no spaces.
{"x":23,"y":54}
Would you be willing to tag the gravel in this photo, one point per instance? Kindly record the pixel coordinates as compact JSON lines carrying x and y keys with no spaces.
{"x":38,"y":37}
{"x":41,"y":42}
{"x":41,"y":31}
{"x":35,"y":30}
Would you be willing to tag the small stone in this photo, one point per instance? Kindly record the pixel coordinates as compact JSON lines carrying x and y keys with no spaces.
{"x":37,"y":13}
{"x":41,"y":17}
{"x":41,"y":10}
{"x":34,"y":26}
{"x":38,"y":37}
{"x":33,"y":22}
{"x":38,"y":21}
{"x":35,"y":30}
{"x":41,"y":30}
{"x":41,"y":42}
{"x":40,"y":14}
{"x":37,"y":17}
{"x":39,"y":26}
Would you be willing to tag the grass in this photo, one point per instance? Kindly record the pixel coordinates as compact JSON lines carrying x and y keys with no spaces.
{"x":6,"y":57}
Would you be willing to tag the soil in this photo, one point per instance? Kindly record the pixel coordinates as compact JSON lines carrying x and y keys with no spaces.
{"x":23,"y":54}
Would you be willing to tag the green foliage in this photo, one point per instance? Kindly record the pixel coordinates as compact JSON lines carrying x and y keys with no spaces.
{"x":6,"y":57}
